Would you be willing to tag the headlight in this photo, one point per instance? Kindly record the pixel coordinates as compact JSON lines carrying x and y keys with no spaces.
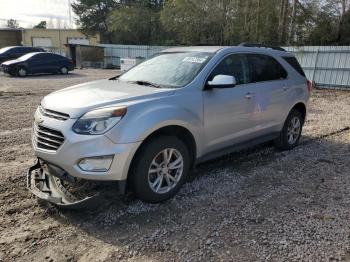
{"x":99,"y":121}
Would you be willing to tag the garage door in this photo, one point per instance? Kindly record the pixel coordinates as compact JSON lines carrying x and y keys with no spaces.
{"x":42,"y":41}
{"x":78,"y":41}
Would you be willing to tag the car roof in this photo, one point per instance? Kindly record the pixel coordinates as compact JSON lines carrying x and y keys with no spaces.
{"x":216,"y":49}
{"x":20,"y":46}
{"x":208,"y":49}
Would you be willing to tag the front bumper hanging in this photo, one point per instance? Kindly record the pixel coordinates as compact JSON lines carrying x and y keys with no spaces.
{"x":48,"y":185}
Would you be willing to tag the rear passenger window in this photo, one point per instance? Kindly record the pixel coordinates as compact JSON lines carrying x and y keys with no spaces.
{"x":265,"y":68}
{"x":295,"y":64}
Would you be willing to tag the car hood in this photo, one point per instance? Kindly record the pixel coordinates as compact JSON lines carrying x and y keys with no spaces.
{"x":79,"y":99}
{"x":10,"y":62}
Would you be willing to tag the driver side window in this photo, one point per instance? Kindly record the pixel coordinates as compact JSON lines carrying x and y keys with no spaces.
{"x":233,"y":65}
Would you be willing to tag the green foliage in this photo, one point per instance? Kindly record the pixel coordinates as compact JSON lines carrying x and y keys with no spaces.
{"x":41,"y":25}
{"x":216,"y":22}
{"x":92,"y":16}
{"x":344,"y":36}
{"x":134,"y":24}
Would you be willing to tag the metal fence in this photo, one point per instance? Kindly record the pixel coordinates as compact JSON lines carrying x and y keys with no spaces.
{"x":113,"y":53}
{"x":328,"y":66}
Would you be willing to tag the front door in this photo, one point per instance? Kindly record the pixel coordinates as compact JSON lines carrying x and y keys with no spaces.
{"x":41,"y":63}
{"x":228,"y":111}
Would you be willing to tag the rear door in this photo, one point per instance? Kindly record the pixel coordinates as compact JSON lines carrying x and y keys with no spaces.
{"x":269,"y":84}
{"x":53,"y":62}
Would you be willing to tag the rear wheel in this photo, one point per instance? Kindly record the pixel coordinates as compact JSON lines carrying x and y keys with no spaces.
{"x":291,"y":132}
{"x":64,"y":70}
{"x":21,"y":72}
{"x":160,"y":168}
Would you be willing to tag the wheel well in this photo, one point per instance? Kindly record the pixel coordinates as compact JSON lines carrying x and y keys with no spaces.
{"x":301,"y":108}
{"x":178,"y":131}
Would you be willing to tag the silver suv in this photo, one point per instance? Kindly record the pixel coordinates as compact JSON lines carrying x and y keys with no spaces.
{"x":148,"y":127}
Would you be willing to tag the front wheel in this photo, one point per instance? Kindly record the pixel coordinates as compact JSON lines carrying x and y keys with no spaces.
{"x":160,"y":168}
{"x":291,"y":132}
{"x":21,"y":71}
{"x":64,"y":70}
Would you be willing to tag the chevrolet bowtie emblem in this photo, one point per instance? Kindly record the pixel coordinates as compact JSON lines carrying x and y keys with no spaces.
{"x":38,"y":119}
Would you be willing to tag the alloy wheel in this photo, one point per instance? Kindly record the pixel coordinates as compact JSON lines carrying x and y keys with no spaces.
{"x":165,"y":171}
{"x":22,"y":72}
{"x":293,"y":131}
{"x":64,"y":70}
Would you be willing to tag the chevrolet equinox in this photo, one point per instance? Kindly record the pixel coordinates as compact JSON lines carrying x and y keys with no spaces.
{"x":147,"y":128}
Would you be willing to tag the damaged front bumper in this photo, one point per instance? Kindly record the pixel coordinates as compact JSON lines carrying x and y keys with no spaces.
{"x":47,"y":182}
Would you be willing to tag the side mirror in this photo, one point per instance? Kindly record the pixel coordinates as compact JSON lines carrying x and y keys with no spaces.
{"x":222,"y":81}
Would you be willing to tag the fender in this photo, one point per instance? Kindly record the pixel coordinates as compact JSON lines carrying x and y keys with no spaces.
{"x":142,"y":120}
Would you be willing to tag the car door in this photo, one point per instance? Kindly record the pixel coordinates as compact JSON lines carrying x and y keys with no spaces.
{"x":52,"y":63}
{"x":269,"y":85}
{"x":228,"y":111}
{"x":11,"y":54}
{"x":38,"y":63}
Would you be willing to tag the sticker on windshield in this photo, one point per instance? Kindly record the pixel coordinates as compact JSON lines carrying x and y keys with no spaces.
{"x":193,"y":59}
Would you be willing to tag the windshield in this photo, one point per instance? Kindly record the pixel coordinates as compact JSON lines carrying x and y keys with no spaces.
{"x":168,"y":69}
{"x":25,"y":57}
{"x":4,"y":50}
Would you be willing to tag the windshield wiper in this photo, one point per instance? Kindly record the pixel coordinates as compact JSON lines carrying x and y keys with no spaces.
{"x":146,"y":83}
{"x":114,"y":77}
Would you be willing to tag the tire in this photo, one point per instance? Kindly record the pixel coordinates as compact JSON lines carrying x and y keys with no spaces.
{"x":149,"y":167}
{"x":291,"y":132}
{"x":64,"y":70}
{"x":21,"y":72}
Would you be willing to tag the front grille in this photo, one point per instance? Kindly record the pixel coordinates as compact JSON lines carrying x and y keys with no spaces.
{"x":47,"y":138}
{"x":53,"y":114}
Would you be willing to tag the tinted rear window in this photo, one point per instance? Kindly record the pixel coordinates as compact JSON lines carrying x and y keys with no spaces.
{"x":265,"y":68}
{"x":295,"y":64}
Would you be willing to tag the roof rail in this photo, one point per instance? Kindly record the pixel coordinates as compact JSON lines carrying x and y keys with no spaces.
{"x":246,"y":44}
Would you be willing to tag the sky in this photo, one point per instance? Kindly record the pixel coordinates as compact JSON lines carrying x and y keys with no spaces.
{"x":30,"y":12}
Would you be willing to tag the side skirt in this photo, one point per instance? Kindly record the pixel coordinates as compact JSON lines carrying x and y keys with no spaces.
{"x":236,"y":147}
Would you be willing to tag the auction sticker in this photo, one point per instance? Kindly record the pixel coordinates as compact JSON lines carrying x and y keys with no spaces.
{"x":193,"y":59}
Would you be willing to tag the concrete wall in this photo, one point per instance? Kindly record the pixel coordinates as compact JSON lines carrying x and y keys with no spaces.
{"x":10,"y":37}
{"x":59,"y":37}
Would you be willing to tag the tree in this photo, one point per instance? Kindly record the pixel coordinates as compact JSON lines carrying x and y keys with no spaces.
{"x":12,"y":23}
{"x":344,"y":30}
{"x":93,"y":16}
{"x":215,"y":22}
{"x":41,"y":25}
{"x":136,"y":22}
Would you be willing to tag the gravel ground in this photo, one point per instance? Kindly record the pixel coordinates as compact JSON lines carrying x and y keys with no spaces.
{"x":256,"y":205}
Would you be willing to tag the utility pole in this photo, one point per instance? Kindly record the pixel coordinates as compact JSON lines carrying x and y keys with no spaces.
{"x":70,"y":13}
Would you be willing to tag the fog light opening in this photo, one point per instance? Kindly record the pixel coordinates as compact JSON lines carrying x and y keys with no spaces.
{"x":96,"y":164}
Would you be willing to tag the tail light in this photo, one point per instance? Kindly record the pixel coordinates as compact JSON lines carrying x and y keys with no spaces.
{"x":310,"y":86}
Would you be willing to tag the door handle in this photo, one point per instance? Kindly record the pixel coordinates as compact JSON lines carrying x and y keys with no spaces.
{"x":249,"y":95}
{"x":285,"y":88}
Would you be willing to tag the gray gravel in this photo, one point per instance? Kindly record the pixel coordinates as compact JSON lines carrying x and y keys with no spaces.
{"x":256,"y":205}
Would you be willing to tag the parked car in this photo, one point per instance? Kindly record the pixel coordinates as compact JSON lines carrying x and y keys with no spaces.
{"x":13,"y":52}
{"x":148,"y":127}
{"x":38,"y":63}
